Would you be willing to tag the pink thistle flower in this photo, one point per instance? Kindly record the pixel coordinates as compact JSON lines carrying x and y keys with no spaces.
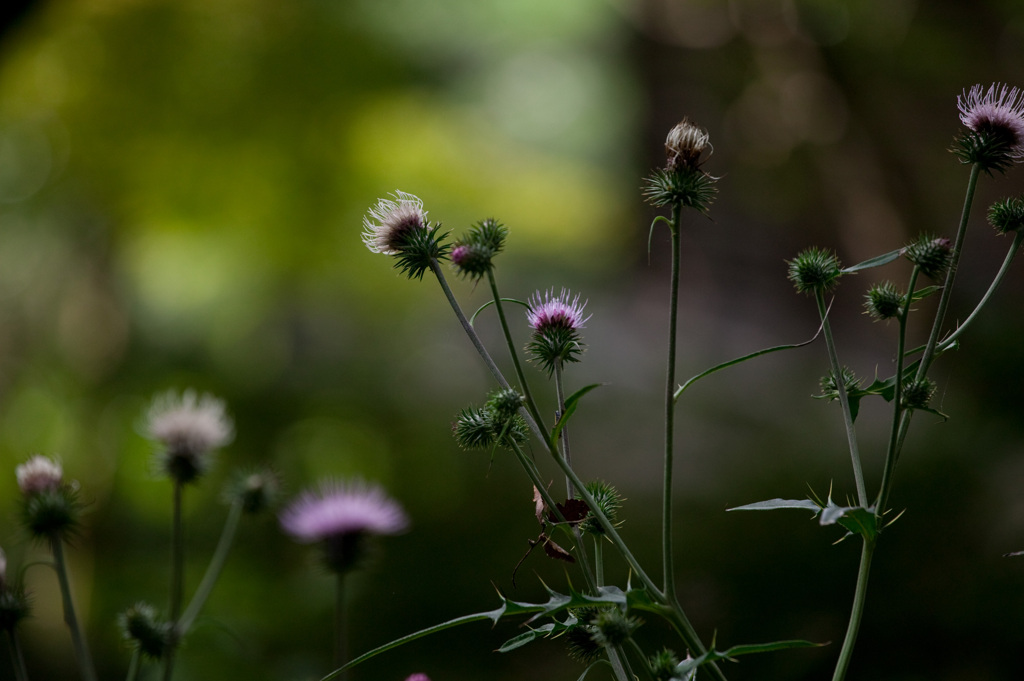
{"x":389,"y":223}
{"x":39,"y":474}
{"x":341,"y":515}
{"x":555,"y":312}
{"x":1000,"y":110}
{"x":418,"y":677}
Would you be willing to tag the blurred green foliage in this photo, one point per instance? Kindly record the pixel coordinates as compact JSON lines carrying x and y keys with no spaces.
{"x":181,"y":191}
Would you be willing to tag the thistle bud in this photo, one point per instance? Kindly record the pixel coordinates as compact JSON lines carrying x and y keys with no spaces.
{"x":256,"y":490}
{"x":663,"y":665}
{"x":917,"y":394}
{"x":1007,"y":215}
{"x":681,"y":182}
{"x":608,"y":501}
{"x":145,"y":631}
{"x":930,"y":254}
{"x":814,"y":269}
{"x":474,"y":252}
{"x":830,"y":388}
{"x":612,"y":627}
{"x":883,"y":301}
{"x":579,"y":639}
{"x":14,"y":605}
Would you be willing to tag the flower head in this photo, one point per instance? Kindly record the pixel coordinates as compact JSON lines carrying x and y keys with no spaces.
{"x":3,"y":568}
{"x":387,"y":226}
{"x":556,"y":323}
{"x":187,"y":428}
{"x":685,"y":144}
{"x":145,"y":630}
{"x":340,"y":515}
{"x":814,"y":269}
{"x":399,"y":228}
{"x":1007,"y":215}
{"x":39,"y":474}
{"x":995,"y":118}
{"x":474,"y":252}
{"x":418,"y":677}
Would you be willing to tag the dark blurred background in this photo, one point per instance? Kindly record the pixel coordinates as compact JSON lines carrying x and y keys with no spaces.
{"x":181,"y":191}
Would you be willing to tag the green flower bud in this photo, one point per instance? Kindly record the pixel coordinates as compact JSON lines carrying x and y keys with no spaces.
{"x":608,"y":500}
{"x":663,"y":665}
{"x":580,"y":638}
{"x":1007,"y":215}
{"x":930,"y":254}
{"x":814,"y":269}
{"x":884,"y":301}
{"x":612,"y":627}
{"x":145,"y":631}
{"x":830,"y":389}
{"x":917,"y":394}
{"x":256,"y":490}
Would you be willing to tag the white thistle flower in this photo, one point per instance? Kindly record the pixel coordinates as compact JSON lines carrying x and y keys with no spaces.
{"x":39,"y":474}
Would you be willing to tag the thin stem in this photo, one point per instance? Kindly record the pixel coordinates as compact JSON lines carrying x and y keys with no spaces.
{"x":133,"y":665}
{"x":340,"y":626}
{"x":17,"y":658}
{"x":856,"y":613}
{"x":599,"y":560}
{"x":177,"y":575}
{"x":564,"y":435}
{"x":645,"y":663}
{"x":78,"y":641}
{"x":531,"y":405}
{"x":435,"y":267}
{"x":947,"y":289}
{"x":220,"y":555}
{"x":897,"y":399}
{"x":1018,"y":238}
{"x":670,"y":380}
{"x":844,"y":401}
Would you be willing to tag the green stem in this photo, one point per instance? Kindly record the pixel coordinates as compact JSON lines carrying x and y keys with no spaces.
{"x":17,"y":658}
{"x":340,"y":626}
{"x":856,"y":613}
{"x":531,"y":405}
{"x":599,"y":560}
{"x":844,"y":401}
{"x":897,"y":399}
{"x":667,"y":553}
{"x":78,"y":641}
{"x":177,"y":575}
{"x":133,"y":665}
{"x":220,"y":555}
{"x":947,"y":289}
{"x":1018,"y":238}
{"x":564,"y":435}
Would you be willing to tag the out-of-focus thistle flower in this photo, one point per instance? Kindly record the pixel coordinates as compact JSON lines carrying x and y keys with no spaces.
{"x":39,"y":474}
{"x":50,"y":507}
{"x":930,"y":254}
{"x":1007,"y":215}
{"x":663,"y":665}
{"x":883,"y":301}
{"x":187,"y":428}
{"x":612,"y":627}
{"x":145,"y":631}
{"x":830,"y":389}
{"x":255,"y":490}
{"x":473,"y":253}
{"x":556,"y":322}
{"x":399,"y":228}
{"x":418,"y":677}
{"x":341,"y":515}
{"x":14,"y":605}
{"x":995,"y":120}
{"x":814,"y":269}
{"x":682,"y":182}
{"x":918,"y":393}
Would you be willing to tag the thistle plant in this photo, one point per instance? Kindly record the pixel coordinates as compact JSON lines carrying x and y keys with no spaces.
{"x":601,"y":621}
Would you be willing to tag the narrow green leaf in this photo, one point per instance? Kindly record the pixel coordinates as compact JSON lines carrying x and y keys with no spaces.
{"x":688,"y":666}
{"x":570,"y":406}
{"x":772,"y":504}
{"x":739,"y":360}
{"x":876,"y":261}
{"x":923,"y":293}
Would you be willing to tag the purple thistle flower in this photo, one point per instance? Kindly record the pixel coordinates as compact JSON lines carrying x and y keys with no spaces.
{"x":389,"y":223}
{"x":418,"y":677}
{"x":1000,"y":110}
{"x":341,"y":514}
{"x":555,"y":312}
